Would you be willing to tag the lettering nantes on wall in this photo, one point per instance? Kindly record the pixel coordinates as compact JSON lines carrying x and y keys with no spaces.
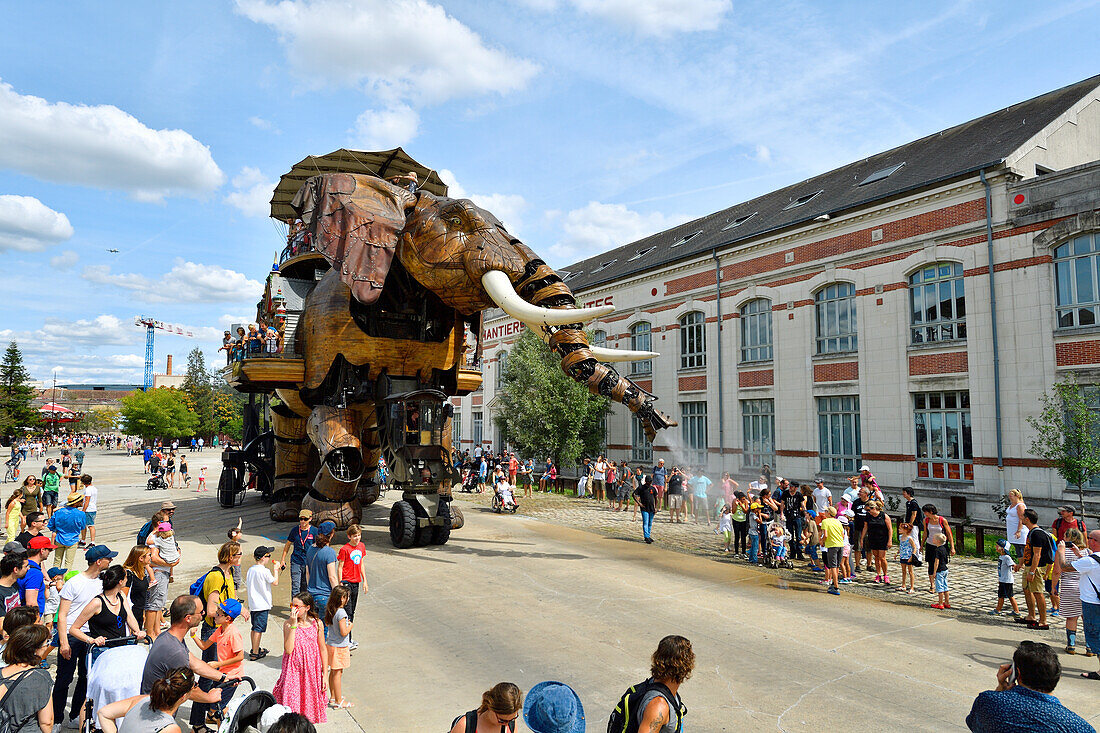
{"x":511,"y":328}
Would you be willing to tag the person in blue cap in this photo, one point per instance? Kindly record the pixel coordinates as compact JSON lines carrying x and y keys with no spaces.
{"x":321,"y":575}
{"x":553,"y":707}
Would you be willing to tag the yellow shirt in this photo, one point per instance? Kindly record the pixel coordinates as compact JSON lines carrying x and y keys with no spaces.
{"x":214,"y":583}
{"x":834,"y":532}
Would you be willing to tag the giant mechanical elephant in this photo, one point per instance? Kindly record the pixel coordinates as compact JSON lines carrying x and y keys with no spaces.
{"x":408,"y":271}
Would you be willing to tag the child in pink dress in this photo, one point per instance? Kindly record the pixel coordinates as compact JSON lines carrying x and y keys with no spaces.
{"x":301,"y":685}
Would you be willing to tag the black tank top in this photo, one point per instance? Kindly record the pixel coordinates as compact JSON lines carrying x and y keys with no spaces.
{"x":876,"y":528}
{"x":106,"y":623}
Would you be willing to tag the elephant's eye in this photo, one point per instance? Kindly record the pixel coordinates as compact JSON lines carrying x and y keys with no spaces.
{"x":456,"y":221}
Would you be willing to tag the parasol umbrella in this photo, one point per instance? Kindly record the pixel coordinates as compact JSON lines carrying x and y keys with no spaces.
{"x":381,"y":163}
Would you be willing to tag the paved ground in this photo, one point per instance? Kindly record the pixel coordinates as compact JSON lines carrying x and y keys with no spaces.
{"x":973,"y":581}
{"x":523,"y":599}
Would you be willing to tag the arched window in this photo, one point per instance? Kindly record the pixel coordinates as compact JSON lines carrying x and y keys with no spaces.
{"x":693,"y":341}
{"x":599,"y":338}
{"x":756,"y":330}
{"x":641,"y":339}
{"x":502,"y":362}
{"x":835,"y":307}
{"x":1077,"y":277}
{"x":937,"y":304}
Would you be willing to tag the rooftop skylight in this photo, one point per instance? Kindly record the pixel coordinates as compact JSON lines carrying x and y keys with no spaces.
{"x":802,"y":200}
{"x":738,"y":221}
{"x":880,"y":174}
{"x":687,"y":238}
{"x":641,"y":253}
{"x":604,"y":265}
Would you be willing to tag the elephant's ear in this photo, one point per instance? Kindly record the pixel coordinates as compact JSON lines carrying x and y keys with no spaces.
{"x":355,"y":221}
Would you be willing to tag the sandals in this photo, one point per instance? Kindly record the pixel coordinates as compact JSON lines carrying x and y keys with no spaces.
{"x":342,"y":704}
{"x":258,"y":655}
{"x":1037,"y":626}
{"x":1090,"y":675}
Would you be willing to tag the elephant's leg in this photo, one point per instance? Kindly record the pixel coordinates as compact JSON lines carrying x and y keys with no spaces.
{"x":369,"y":487}
{"x":335,"y":433}
{"x":292,"y":449}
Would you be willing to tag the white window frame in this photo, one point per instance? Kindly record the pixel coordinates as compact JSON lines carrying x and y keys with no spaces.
{"x":835,"y":316}
{"x":641,"y":450}
{"x":935,"y":416}
{"x":641,"y":339}
{"x":756,"y":331}
{"x":502,"y":361}
{"x":840,"y":448}
{"x":693,"y":340}
{"x":758,"y":433}
{"x":1077,"y":268}
{"x":693,"y":430}
{"x":930,"y":288}
{"x":477,"y":426}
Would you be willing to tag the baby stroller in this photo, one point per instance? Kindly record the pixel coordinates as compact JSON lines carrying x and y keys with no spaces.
{"x":243,"y":713}
{"x":114,"y":673}
{"x":769,"y":556}
{"x":504,"y":500}
{"x":156,"y":481}
{"x":469,"y":481}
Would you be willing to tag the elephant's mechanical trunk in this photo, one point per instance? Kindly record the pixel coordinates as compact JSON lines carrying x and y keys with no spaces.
{"x":335,"y":432}
{"x":542,"y":287}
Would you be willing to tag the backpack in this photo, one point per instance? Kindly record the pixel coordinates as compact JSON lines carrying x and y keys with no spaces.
{"x":626,"y":716}
{"x":471,"y":723}
{"x":1046,"y":549}
{"x":8,"y":722}
{"x":196,"y":587}
{"x":144,"y":532}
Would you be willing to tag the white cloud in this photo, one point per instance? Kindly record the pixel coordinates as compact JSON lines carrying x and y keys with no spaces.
{"x":508,"y":207}
{"x":386,"y":128}
{"x":28,"y":225}
{"x":262,"y":124}
{"x":101,"y":146}
{"x":599,"y":227}
{"x":65,"y":260}
{"x":763,"y":154}
{"x":410,"y":49}
{"x":186,"y":282}
{"x":56,"y":334}
{"x":253,"y":192}
{"x":659,"y":17}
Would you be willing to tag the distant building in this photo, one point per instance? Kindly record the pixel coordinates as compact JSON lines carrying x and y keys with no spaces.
{"x":847,"y":319}
{"x":168,"y":379}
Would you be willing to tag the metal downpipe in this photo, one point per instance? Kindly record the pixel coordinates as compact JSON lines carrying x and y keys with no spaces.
{"x":721,"y":385}
{"x":993,"y":320}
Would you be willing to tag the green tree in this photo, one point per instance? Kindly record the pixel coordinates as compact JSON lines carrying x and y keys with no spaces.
{"x":200,"y":393}
{"x":158,"y":413}
{"x":99,"y":421}
{"x":545,"y":413}
{"x":1067,"y":433}
{"x":16,"y":394}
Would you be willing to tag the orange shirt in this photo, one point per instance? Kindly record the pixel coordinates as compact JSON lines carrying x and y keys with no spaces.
{"x":230,"y":644}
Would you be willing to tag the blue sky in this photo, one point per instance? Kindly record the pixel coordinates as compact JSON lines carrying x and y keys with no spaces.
{"x":159,"y":129}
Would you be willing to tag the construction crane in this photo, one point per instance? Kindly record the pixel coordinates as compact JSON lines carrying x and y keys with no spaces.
{"x":150,"y":325}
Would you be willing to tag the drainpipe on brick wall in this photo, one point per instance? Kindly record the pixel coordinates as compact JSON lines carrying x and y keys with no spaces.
{"x":721,"y":386}
{"x":993,"y":320}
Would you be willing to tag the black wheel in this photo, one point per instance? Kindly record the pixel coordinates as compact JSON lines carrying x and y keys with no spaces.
{"x":457,"y":518}
{"x":440,"y":534}
{"x":424,"y":535}
{"x":497,"y":503}
{"x":402,"y":525}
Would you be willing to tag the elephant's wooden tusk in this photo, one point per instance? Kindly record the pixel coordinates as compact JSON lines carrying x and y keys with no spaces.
{"x":500,"y":289}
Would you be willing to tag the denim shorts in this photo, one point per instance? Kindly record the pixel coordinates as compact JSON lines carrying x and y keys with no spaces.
{"x":941,"y":582}
{"x":49,"y":498}
{"x":259,"y":621}
{"x":91,"y":518}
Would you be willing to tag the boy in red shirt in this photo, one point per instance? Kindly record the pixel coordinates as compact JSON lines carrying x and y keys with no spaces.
{"x":349,"y":566}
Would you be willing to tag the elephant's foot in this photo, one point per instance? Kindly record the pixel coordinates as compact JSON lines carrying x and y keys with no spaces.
{"x":368,"y":492}
{"x":286,"y":511}
{"x":341,"y":513}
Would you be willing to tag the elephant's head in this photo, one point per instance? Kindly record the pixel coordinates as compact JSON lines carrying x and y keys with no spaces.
{"x":464,"y":255}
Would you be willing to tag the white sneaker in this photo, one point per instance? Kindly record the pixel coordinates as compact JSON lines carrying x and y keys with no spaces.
{"x":353,"y":645}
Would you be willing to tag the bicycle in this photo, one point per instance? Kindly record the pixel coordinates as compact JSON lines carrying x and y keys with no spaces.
{"x":12,"y":472}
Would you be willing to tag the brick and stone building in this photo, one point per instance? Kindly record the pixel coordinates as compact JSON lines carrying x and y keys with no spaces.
{"x":848,"y":318}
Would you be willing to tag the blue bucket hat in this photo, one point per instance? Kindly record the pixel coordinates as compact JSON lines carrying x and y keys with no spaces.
{"x":553,"y":707}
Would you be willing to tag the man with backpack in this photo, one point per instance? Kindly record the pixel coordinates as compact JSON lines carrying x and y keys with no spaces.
{"x":655,"y":705}
{"x":1038,"y":556}
{"x":1066,"y":521}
